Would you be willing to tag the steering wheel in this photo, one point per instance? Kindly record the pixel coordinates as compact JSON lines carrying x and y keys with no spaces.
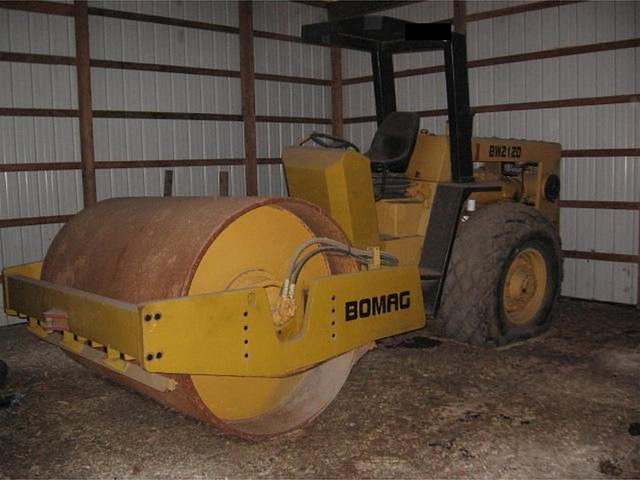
{"x":329,"y":141}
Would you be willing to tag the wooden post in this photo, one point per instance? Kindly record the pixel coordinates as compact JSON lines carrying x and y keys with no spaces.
{"x":248,"y":88}
{"x":638,"y":264}
{"x":223,"y":184}
{"x":460,"y":16}
{"x":168,"y":183}
{"x":85,"y":113}
{"x":337,"y":119}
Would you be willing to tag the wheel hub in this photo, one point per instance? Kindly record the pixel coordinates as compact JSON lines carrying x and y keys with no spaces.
{"x":524,"y":286}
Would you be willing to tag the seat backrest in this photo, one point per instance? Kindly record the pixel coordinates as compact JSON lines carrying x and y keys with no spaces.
{"x":394,"y":141}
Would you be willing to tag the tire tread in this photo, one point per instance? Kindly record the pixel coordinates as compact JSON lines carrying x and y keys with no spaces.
{"x":469,"y":311}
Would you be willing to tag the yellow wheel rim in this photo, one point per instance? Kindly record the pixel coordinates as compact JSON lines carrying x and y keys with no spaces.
{"x":525,"y":287}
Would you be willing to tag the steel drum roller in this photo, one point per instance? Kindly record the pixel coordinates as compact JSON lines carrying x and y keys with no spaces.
{"x":142,"y":249}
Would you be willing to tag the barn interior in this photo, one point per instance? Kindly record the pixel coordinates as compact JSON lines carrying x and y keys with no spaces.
{"x":143,"y":141}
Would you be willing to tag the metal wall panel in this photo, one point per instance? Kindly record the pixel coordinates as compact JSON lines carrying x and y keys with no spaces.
{"x":36,"y":139}
{"x":477,"y":6}
{"x":218,"y":12}
{"x":287,"y":99}
{"x":587,"y":75}
{"x":42,"y":139}
{"x":606,"y":126}
{"x":152,"y":139}
{"x":126,"y":139}
{"x":27,"y":32}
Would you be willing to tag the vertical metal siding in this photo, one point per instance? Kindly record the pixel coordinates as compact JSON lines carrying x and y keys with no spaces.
{"x":36,"y":139}
{"x":477,"y":6}
{"x":287,"y":99}
{"x":28,"y":140}
{"x":135,"y":139}
{"x":606,"y":126}
{"x":358,"y":99}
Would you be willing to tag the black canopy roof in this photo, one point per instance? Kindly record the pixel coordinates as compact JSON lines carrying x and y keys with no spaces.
{"x":384,"y":36}
{"x":378,"y":33}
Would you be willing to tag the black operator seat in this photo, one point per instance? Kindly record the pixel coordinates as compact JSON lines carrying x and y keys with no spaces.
{"x":393,"y":143}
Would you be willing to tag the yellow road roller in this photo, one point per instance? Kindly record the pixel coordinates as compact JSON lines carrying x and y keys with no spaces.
{"x":249,"y":313}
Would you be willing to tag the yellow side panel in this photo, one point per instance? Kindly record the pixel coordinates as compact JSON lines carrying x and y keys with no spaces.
{"x":232,"y":333}
{"x":545,"y":155}
{"x":401,"y":217}
{"x":340,"y":182}
{"x":408,"y":249}
{"x":31,"y":270}
{"x":104,"y":320}
{"x":487,"y":149}
{"x":430,"y":159}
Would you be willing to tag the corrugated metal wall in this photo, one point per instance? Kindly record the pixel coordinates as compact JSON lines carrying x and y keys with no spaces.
{"x":48,"y":139}
{"x":587,"y":75}
{"x":150,"y":139}
{"x":287,"y":99}
{"x":36,"y":139}
{"x":55,"y":139}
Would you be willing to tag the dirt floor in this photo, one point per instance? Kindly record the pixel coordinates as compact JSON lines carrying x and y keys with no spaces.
{"x":566,"y":405}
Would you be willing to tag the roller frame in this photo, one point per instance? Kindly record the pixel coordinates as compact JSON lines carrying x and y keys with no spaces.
{"x":215,"y":341}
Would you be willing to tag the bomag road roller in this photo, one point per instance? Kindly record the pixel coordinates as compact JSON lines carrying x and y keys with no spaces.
{"x":249,"y":313}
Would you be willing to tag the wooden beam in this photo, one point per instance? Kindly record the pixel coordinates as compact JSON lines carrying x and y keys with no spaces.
{"x":337,"y":113}
{"x":280,"y":36}
{"x":167,"y":115}
{"x":269,"y":161}
{"x":123,"y":164}
{"x":346,"y":8}
{"x":313,"y":3}
{"x":39,"y":167}
{"x":37,"y":112}
{"x":272,"y":77}
{"x":527,"y":7}
{"x":287,"y":119}
{"x":506,"y":59}
{"x":52,"y":8}
{"x":510,"y":107}
{"x":36,"y":58}
{"x":208,"y":162}
{"x":557,"y":52}
{"x":602,"y":152}
{"x":167,"y":190}
{"x":223,"y":184}
{"x":638,"y":267}
{"x":605,"y":257}
{"x":27,"y":221}
{"x":459,"y":16}
{"x":85,"y":113}
{"x":225,"y":117}
{"x":211,"y":72}
{"x":248,"y":89}
{"x":607,"y":205}
{"x":177,"y":22}
{"x":570,"y":102}
{"x":195,"y":162}
{"x":156,"y":67}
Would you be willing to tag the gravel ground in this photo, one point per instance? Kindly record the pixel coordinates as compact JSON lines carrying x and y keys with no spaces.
{"x":565,"y":405}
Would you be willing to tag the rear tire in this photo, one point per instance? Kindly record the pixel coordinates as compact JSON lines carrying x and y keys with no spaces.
{"x":504,"y":276}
